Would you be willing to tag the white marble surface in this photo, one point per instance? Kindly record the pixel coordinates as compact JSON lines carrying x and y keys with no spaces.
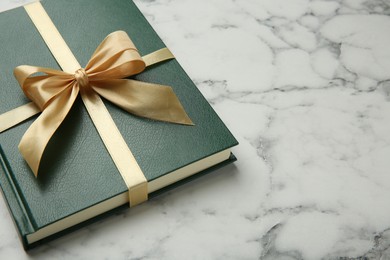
{"x":305,"y":87}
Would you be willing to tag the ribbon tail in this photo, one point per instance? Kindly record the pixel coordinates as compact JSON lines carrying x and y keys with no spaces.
{"x":37,"y":136}
{"x":143,"y":99}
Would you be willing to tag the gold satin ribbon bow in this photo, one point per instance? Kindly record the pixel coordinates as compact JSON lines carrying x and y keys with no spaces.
{"x":116,"y":58}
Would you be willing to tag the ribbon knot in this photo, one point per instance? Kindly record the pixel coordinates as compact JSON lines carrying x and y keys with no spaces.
{"x":116,"y":58}
{"x":82,"y":78}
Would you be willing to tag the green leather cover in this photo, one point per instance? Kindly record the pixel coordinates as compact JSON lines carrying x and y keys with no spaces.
{"x":76,"y":171}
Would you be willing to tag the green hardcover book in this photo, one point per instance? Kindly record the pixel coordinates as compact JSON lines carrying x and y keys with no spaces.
{"x":78,"y":181}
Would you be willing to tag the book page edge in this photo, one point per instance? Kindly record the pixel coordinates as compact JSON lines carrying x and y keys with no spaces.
{"x":122,"y":198}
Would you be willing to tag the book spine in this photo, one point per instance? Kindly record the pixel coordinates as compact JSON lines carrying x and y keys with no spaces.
{"x":16,"y":207}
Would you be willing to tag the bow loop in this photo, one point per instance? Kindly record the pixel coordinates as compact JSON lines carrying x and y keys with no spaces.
{"x":41,"y":89}
{"x":23,"y":72}
{"x":115,"y":58}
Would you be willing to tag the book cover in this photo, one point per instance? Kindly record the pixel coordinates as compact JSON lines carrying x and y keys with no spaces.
{"x":78,"y":180}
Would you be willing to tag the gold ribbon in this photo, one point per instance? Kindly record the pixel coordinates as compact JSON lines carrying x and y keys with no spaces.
{"x":53,"y":92}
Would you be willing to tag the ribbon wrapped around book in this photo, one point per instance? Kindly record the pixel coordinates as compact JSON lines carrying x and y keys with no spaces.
{"x":53,"y":93}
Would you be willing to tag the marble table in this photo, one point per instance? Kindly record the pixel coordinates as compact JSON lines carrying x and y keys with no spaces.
{"x":305,"y":87}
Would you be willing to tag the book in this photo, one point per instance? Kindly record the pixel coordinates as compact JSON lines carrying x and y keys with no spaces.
{"x":78,"y":181}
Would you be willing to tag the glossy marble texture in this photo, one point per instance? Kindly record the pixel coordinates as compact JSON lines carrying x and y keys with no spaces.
{"x":305,"y":87}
